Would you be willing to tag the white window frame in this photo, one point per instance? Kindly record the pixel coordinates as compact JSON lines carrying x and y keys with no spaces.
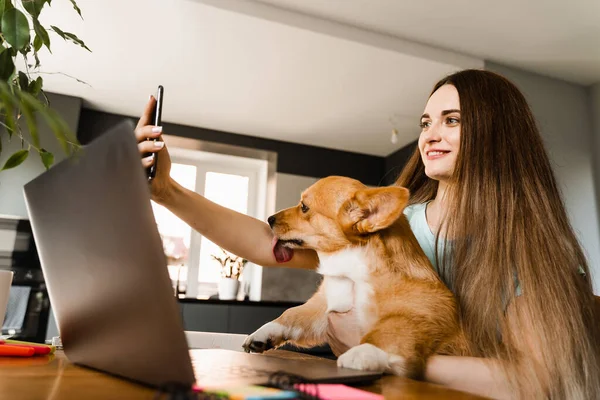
{"x":258,"y":165}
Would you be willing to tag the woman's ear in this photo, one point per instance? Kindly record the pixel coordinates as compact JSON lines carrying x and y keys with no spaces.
{"x":371,"y":210}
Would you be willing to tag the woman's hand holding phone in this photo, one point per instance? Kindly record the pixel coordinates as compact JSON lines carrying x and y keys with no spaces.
{"x":150,"y":142}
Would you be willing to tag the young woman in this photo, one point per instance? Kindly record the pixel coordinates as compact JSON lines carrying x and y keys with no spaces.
{"x":486,"y":210}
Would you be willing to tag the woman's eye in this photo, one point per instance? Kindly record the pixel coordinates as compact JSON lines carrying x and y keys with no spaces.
{"x":304,"y":208}
{"x":452,"y":121}
{"x":425,"y":124}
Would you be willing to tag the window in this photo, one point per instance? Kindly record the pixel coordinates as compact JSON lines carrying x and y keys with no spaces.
{"x":175,"y":233}
{"x":230,"y":191}
{"x":239,"y":183}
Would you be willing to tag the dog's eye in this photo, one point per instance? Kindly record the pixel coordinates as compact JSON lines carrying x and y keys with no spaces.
{"x":304,"y":208}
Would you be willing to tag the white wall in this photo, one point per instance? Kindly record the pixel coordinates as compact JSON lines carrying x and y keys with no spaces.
{"x":562,"y":112}
{"x":289,"y":284}
{"x":12,"y":201}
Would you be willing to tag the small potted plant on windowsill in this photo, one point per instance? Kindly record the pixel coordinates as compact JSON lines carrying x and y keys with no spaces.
{"x":231,"y":271}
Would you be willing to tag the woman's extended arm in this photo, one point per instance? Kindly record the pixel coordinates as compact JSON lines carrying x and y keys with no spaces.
{"x":238,"y":233}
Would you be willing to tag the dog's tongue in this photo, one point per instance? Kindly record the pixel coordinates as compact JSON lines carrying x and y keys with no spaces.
{"x":282,"y":254}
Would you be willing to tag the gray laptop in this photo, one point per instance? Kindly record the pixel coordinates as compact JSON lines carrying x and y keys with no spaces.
{"x":106,"y":274}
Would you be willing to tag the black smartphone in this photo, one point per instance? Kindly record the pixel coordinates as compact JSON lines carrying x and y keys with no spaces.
{"x":156,"y":120}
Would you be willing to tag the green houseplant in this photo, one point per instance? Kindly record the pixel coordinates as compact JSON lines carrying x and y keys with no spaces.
{"x":22,"y":98}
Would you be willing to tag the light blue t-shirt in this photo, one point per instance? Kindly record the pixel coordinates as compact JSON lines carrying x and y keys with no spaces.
{"x":417,"y":218}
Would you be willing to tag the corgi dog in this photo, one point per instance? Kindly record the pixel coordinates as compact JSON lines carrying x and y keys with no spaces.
{"x":370,"y":260}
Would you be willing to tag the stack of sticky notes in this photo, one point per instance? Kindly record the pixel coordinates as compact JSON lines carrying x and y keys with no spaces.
{"x":337,"y":392}
{"x":16,"y":348}
{"x":320,"y":391}
{"x":251,"y":392}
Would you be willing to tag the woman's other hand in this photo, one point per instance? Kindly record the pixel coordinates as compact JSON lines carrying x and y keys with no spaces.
{"x":343,"y":331}
{"x":161,"y":184}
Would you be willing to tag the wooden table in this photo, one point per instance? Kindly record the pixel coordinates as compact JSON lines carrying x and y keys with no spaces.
{"x":54,"y":377}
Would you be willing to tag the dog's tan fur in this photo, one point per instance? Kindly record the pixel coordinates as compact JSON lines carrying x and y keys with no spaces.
{"x":412,"y":313}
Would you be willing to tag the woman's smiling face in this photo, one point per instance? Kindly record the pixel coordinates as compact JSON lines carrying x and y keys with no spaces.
{"x":439,"y":141}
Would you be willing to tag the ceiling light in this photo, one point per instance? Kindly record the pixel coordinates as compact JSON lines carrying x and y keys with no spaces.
{"x":394,"y":138}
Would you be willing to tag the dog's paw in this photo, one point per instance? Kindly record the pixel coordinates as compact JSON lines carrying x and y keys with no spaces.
{"x":267,"y":337}
{"x":366,"y":357}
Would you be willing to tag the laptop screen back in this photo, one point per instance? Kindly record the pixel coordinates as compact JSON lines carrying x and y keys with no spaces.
{"x":104,"y":265}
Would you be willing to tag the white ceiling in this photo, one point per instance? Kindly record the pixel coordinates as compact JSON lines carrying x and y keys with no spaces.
{"x":247,"y":67}
{"x":552,"y":37}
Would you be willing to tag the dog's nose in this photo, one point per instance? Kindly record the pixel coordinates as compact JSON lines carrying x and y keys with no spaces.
{"x":271,"y":220}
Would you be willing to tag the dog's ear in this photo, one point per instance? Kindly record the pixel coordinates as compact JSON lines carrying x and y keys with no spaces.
{"x":371,"y":210}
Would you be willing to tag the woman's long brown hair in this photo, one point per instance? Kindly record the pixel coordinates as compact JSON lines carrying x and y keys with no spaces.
{"x":506,"y":223}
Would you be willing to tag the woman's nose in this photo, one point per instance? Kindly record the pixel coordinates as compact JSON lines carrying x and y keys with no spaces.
{"x":432,"y":134}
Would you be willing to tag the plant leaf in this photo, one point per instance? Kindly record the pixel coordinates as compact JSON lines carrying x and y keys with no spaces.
{"x":8,"y":101}
{"x":28,"y":111}
{"x":37,"y":43}
{"x":7,"y":66}
{"x":47,"y":158}
{"x":33,"y":7}
{"x":23,"y":81}
{"x":26,"y":50}
{"x":69,"y":36}
{"x":5,"y":5}
{"x":16,"y":159}
{"x":58,"y":31}
{"x":32,"y":126}
{"x":75,"y":39}
{"x":36,"y":86}
{"x":41,"y":33}
{"x":9,"y":120}
{"x":15,"y":28}
{"x":76,"y":8}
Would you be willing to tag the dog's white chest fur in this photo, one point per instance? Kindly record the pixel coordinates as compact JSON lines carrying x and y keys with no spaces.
{"x":346,"y":281}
